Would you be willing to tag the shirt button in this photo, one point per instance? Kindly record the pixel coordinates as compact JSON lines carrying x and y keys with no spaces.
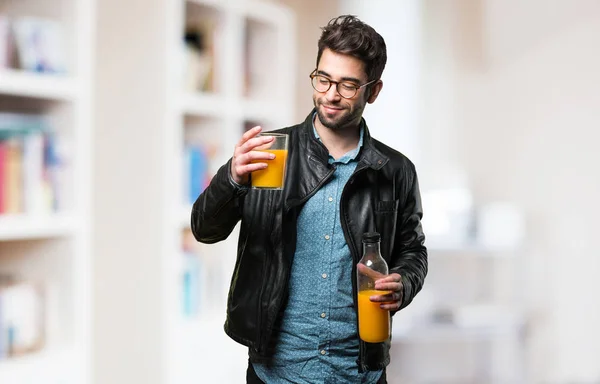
{"x":324,"y":275}
{"x":327,"y":237}
{"x":323,"y":315}
{"x":323,"y":352}
{"x":330,"y":199}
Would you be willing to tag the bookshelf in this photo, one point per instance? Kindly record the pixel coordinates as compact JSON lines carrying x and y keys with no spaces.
{"x":45,"y":247}
{"x":189,"y":100}
{"x":253,"y":57}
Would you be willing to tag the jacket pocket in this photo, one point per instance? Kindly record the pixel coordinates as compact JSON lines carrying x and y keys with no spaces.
{"x":386,"y":216}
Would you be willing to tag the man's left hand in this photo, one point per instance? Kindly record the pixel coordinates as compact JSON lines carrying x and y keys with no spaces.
{"x":393,"y":300}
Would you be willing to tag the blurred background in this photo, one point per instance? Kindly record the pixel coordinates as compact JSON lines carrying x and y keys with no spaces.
{"x":115,"y":114}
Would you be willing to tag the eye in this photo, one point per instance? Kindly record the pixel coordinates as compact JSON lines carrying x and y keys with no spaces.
{"x":348,"y":87}
{"x":323,"y":80}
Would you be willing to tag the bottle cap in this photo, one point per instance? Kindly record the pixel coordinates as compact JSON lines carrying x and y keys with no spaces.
{"x":371,"y":237}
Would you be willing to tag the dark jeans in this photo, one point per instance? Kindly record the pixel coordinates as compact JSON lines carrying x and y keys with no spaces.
{"x":251,"y":377}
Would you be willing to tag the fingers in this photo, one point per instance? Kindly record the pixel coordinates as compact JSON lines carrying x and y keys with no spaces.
{"x":388,"y":297}
{"x":364,"y":270}
{"x":390,"y":301}
{"x":246,"y":159}
{"x":391,"y":306}
{"x":392,"y":283}
{"x":250,"y":140}
{"x":249,"y":134}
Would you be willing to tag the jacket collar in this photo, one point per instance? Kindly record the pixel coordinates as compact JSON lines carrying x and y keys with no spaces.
{"x":312,"y":168}
{"x":369,"y":156}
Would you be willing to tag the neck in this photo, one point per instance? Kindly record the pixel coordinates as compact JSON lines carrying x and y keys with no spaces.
{"x":338,"y":141}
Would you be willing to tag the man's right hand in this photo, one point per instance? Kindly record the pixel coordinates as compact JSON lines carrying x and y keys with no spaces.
{"x":244,"y":154}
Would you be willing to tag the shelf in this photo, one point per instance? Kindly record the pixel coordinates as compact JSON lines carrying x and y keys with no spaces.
{"x":446,"y":332}
{"x":203,"y":104}
{"x":210,"y":105}
{"x":478,"y":323}
{"x":270,"y":111}
{"x":23,"y":227}
{"x":265,"y":12}
{"x":467,"y":249}
{"x":48,"y":367}
{"x":184,"y":217}
{"x":217,"y":4}
{"x":37,"y":85}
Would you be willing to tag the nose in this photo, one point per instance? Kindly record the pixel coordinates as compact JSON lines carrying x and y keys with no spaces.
{"x":332,"y":94}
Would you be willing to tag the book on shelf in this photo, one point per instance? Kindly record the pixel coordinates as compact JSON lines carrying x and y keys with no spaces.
{"x":258,"y":63}
{"x":29,"y":165}
{"x":199,"y":56}
{"x":39,"y":44}
{"x":196,"y":171}
{"x":22,"y":317}
{"x":6,"y":43}
{"x":191,"y":278}
{"x":202,"y":277}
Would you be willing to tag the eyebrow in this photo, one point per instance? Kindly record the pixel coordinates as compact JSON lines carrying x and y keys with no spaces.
{"x":352,"y":79}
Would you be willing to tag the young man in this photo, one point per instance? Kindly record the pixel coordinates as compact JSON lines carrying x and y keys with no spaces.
{"x":292,"y":298}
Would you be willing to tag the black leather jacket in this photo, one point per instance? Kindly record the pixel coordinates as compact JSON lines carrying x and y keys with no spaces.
{"x":382,"y":195}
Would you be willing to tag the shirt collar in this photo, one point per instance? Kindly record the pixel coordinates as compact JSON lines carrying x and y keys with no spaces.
{"x":348,"y":156}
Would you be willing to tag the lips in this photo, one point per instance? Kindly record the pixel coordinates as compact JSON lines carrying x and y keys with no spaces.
{"x":330,"y":109}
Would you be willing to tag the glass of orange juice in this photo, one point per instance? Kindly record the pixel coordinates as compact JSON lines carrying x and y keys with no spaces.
{"x":273,"y":176}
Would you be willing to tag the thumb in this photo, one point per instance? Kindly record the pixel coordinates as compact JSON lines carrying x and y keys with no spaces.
{"x":364,"y":270}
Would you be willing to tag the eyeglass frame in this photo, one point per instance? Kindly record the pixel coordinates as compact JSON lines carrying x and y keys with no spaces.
{"x":314,"y":74}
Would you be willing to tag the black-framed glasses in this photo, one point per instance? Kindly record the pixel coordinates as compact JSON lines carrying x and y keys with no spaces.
{"x":346,"y":89}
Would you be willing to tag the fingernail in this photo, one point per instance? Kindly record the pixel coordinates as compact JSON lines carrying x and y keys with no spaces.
{"x":272,"y":156}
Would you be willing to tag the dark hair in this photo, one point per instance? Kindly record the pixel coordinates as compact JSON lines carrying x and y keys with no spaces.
{"x":348,"y":35}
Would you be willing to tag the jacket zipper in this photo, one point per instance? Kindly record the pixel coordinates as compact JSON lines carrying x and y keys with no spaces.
{"x":287,"y":279}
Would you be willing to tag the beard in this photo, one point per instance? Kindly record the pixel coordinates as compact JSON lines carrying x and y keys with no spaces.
{"x":345,"y":118}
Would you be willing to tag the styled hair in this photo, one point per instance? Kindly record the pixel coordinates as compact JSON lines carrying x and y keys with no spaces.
{"x":348,"y":35}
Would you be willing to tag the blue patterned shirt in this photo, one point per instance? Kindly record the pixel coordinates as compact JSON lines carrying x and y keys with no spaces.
{"x":318,"y":340}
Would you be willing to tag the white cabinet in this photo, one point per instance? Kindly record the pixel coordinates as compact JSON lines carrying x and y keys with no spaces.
{"x":44,"y":226}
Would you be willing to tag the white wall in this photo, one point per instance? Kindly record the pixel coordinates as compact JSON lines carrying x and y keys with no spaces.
{"x":128,"y":159}
{"x":308,"y":31}
{"x":520,"y":89}
{"x":399,"y":20}
{"x":509,"y":92}
{"x":531,"y":114}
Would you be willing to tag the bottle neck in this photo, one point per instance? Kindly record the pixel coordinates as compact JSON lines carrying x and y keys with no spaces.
{"x":371,"y":250}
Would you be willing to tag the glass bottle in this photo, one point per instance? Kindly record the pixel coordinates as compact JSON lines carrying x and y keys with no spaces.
{"x":373,"y":322}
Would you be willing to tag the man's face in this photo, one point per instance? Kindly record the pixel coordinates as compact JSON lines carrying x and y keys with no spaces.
{"x":334,"y":111}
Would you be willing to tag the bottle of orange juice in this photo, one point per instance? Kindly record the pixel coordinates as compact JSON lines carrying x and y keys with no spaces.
{"x":373,"y":322}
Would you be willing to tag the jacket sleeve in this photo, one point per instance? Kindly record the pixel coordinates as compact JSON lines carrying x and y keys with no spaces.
{"x":411,"y":259}
{"x":218,"y":209}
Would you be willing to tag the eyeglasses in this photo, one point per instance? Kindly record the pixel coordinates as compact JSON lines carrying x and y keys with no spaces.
{"x":346,"y":89}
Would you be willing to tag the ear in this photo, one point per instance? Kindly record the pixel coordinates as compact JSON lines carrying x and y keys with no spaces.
{"x":375,"y":89}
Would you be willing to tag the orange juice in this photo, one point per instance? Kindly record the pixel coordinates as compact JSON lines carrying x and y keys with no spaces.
{"x":272,"y":176}
{"x":373,"y":322}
